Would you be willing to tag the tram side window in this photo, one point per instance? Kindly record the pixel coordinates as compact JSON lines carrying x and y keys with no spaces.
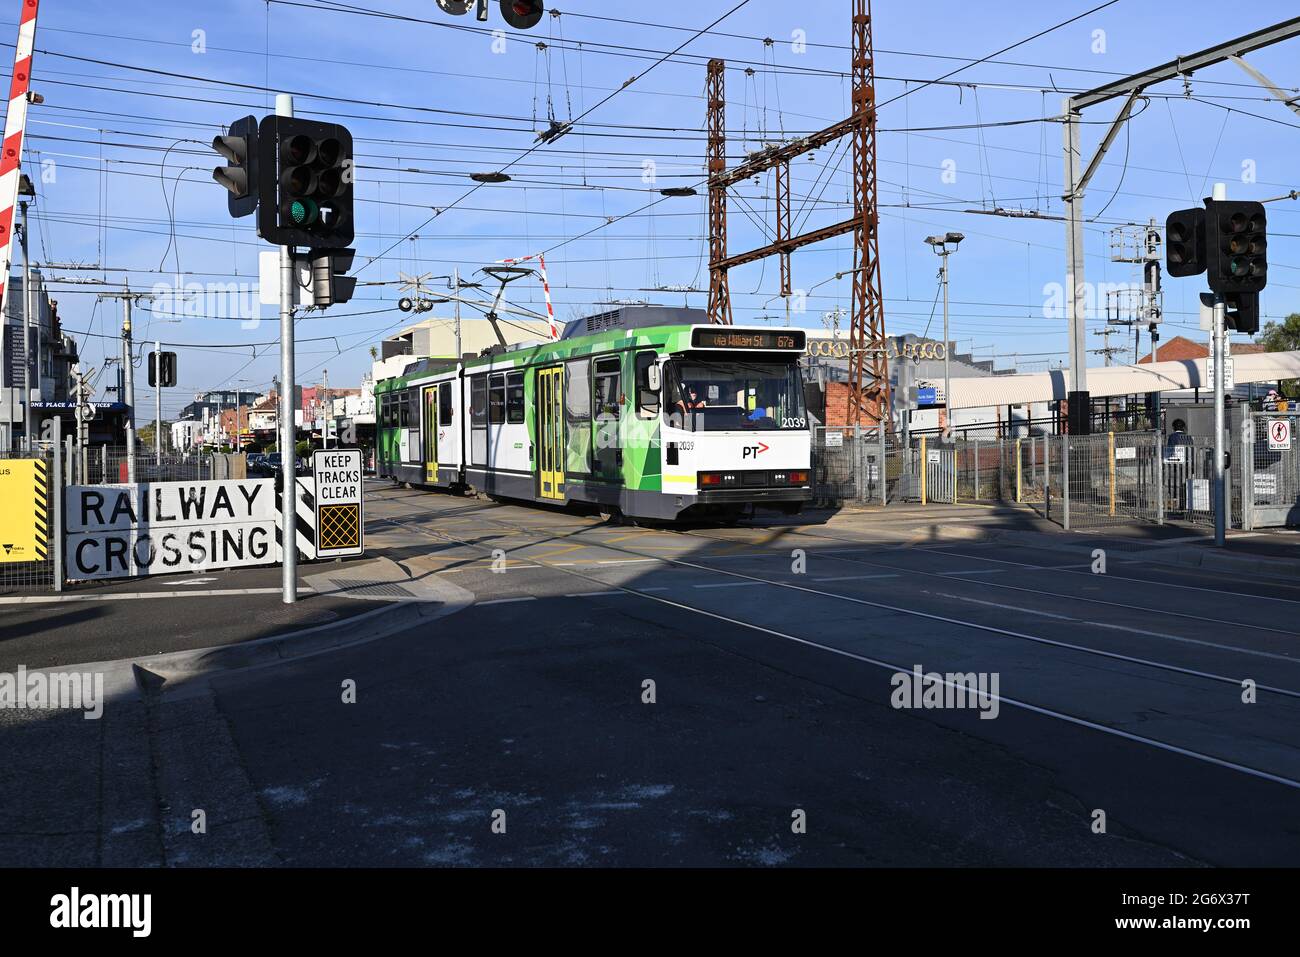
{"x":411,"y":407}
{"x":444,"y":404}
{"x":478,"y":400}
{"x":515,"y":398}
{"x":608,"y":387}
{"x":497,"y":398}
{"x":647,"y":400}
{"x":577,"y":393}
{"x":385,"y":411}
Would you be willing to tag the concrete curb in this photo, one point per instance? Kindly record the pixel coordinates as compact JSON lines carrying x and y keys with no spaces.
{"x":155,"y":673}
{"x":150,"y":673}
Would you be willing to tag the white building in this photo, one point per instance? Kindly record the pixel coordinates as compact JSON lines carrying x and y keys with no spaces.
{"x":186,"y":434}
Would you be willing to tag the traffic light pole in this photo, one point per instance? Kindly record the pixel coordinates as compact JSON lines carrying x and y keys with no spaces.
{"x":157,"y":401}
{"x":1220,"y":496}
{"x":288,"y":432}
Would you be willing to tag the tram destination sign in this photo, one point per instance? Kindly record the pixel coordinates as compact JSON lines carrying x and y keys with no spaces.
{"x":775,"y":339}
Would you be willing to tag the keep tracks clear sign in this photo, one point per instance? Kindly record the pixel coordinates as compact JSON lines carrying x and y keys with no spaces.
{"x":338,"y":503}
{"x":119,"y":531}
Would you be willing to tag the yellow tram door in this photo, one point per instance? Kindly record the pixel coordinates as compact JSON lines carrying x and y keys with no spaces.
{"x":550,"y":432}
{"x":430,"y":425}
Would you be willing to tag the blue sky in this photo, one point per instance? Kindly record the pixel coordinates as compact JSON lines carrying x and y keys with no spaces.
{"x":105,"y":201}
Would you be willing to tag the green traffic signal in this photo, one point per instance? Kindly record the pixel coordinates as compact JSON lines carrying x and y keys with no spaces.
{"x":302,"y":212}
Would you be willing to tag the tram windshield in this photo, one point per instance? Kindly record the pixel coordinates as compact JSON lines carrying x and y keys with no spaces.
{"x":707,"y":396}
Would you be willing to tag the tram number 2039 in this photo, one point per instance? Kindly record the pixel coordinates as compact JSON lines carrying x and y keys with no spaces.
{"x":798,"y":423}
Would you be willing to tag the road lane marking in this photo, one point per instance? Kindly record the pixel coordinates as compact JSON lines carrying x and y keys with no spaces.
{"x":1135,"y":631}
{"x":506,"y":601}
{"x":852,"y":578}
{"x":726,"y":585}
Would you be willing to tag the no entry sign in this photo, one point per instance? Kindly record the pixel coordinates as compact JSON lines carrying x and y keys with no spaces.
{"x":338,"y":503}
{"x":1279,"y":435}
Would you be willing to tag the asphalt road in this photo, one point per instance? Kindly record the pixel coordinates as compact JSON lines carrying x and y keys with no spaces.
{"x":520,"y":730}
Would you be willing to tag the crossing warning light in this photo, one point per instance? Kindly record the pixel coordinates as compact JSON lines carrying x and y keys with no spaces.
{"x":522,"y":14}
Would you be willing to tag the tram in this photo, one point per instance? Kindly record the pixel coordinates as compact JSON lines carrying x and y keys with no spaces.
{"x":644,"y":411}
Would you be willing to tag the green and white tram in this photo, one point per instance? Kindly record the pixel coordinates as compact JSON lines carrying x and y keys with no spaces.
{"x":646,"y":411}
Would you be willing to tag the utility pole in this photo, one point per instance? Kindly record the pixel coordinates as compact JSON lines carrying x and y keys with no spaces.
{"x":456,"y":276}
{"x":128,"y":369}
{"x":1107,"y":351}
{"x":29,"y":425}
{"x":325,"y":408}
{"x":288,"y":434}
{"x":126,"y":394}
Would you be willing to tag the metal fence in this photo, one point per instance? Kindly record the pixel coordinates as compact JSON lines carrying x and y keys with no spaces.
{"x":35,"y":514}
{"x":1273,"y":496}
{"x":854,"y":466}
{"x":110,"y":465}
{"x":1079,"y":482}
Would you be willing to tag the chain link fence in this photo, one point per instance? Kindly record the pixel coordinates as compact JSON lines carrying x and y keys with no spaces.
{"x":1081,"y":481}
{"x":854,"y":466}
{"x":1274,"y":468}
{"x":110,"y":465}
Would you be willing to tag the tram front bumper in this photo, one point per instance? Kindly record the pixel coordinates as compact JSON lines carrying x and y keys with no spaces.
{"x":758,"y":496}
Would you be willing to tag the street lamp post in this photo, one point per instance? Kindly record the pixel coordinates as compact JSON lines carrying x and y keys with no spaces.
{"x":940,"y":245}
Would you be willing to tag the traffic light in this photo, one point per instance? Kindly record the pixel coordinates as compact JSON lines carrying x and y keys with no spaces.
{"x":308,"y":201}
{"x":1236,"y":246}
{"x":330,"y":283}
{"x":168,"y":362}
{"x":522,"y":14}
{"x":239,"y":148}
{"x":1242,"y":311}
{"x":1185,"y":242}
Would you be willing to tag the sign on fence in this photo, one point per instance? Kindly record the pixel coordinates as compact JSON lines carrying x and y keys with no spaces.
{"x":24,"y":510}
{"x":1279,"y":435}
{"x":834,"y":440}
{"x":338,"y":502}
{"x":119,"y":531}
{"x":1126,"y":452}
{"x":1266,"y":484}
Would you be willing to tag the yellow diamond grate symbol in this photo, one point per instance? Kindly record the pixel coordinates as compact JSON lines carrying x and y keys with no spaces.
{"x":340,"y":526}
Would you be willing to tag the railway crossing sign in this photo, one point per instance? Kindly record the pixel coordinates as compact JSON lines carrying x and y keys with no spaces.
{"x":1279,"y":435}
{"x":339,"y":517}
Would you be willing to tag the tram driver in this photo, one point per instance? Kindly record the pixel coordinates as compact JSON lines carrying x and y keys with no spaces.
{"x":692,"y":400}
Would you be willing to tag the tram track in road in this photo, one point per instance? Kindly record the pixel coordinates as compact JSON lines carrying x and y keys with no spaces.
{"x":608,"y":588}
{"x":993,"y":629}
{"x":957,"y":576}
{"x":952,"y":577}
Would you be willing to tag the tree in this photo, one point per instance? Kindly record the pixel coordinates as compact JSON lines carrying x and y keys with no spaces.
{"x":374,"y":353}
{"x":144,"y":435}
{"x":1283,"y":337}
